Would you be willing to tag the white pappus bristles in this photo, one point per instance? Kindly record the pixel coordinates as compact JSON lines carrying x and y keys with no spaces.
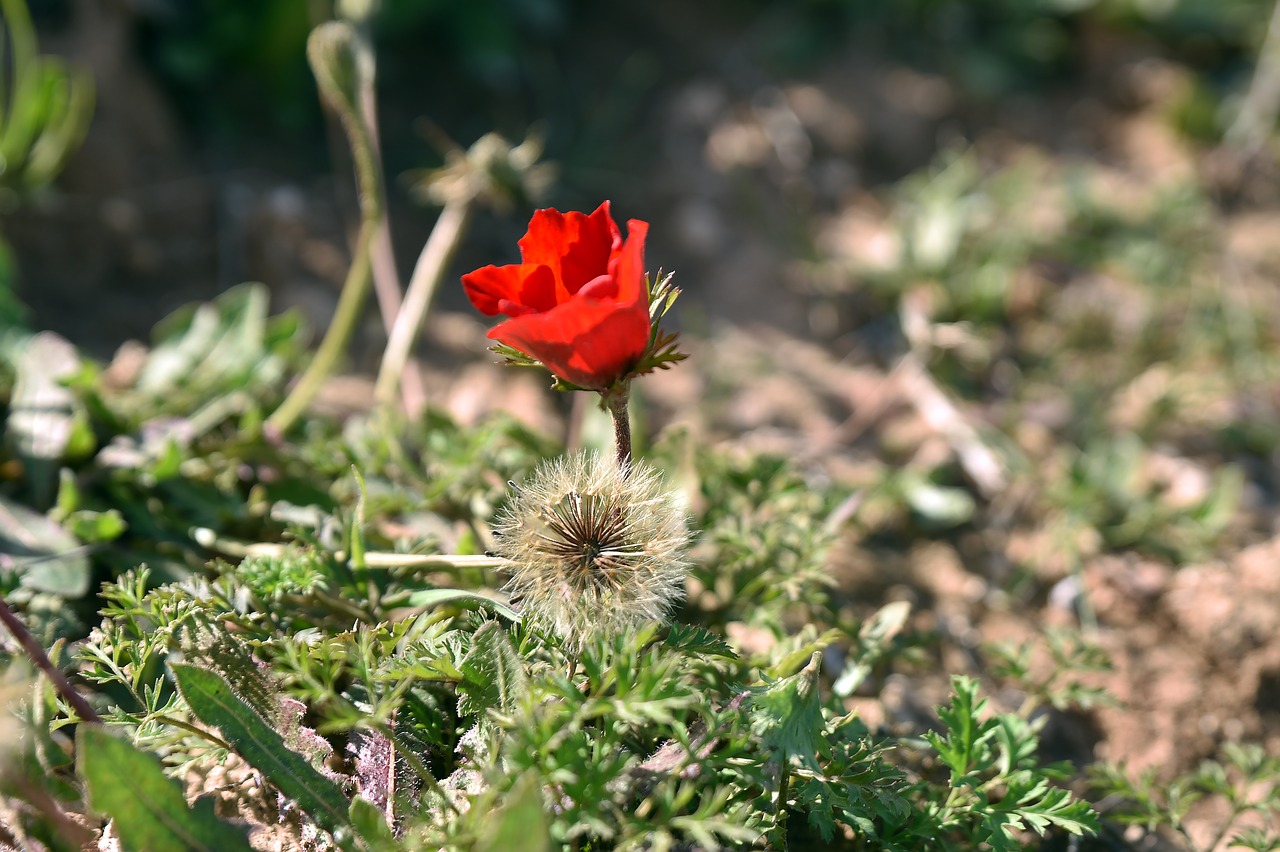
{"x":595,"y":551}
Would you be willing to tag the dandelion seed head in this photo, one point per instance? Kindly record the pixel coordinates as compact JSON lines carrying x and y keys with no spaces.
{"x":595,"y":550}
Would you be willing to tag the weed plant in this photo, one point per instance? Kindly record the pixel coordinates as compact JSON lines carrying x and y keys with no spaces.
{"x":236,"y":623}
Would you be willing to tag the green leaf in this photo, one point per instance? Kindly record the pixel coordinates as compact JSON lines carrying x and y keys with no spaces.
{"x":493,"y":673}
{"x":787,"y":714}
{"x":427,"y":598}
{"x":940,"y":505}
{"x":371,"y":826}
{"x":794,"y":659}
{"x":1032,"y":802}
{"x":964,"y":749}
{"x":204,"y":352}
{"x":90,"y":526}
{"x":46,"y":556}
{"x":1257,"y":840}
{"x":1017,"y":741}
{"x":213,"y":702}
{"x":148,"y":808}
{"x":520,"y":823}
{"x":873,"y":643}
{"x":698,"y":642}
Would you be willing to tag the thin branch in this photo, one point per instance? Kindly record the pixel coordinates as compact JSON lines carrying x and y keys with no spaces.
{"x":376,"y":559}
{"x":208,"y":736}
{"x":1257,"y":117}
{"x":427,"y":275}
{"x":40,"y":658}
{"x":350,"y":305}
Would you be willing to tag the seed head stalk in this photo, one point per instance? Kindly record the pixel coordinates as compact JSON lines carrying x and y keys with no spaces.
{"x":616,"y":401}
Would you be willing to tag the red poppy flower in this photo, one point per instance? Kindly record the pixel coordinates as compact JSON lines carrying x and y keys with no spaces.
{"x":578,"y":303}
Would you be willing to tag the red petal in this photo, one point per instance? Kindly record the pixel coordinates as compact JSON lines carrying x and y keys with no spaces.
{"x":586,"y":342}
{"x":529,"y":285}
{"x":512,"y":309}
{"x":601,"y":288}
{"x":576,"y":247}
{"x":628,"y":270}
{"x":578,"y":303}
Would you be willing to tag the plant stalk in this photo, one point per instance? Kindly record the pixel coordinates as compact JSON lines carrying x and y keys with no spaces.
{"x":427,"y":275}
{"x":354,"y":291}
{"x":40,"y":658}
{"x":386,"y":277}
{"x":1257,"y":117}
{"x":341,"y":70}
{"x":616,"y":402}
{"x":784,"y":793}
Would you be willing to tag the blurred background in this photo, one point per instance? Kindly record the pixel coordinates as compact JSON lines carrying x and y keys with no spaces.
{"x":764,"y":140}
{"x":1005,"y":270}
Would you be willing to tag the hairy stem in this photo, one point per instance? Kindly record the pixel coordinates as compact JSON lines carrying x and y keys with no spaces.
{"x":41,"y":660}
{"x":616,"y":402}
{"x":1221,"y":835}
{"x":206,"y":537}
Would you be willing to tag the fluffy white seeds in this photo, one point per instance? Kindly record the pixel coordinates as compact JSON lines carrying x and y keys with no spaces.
{"x":594,"y":551}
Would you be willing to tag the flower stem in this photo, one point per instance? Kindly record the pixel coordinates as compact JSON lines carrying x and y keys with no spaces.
{"x":339,"y":67}
{"x":616,"y":402}
{"x":41,"y":660}
{"x":350,"y":305}
{"x":781,"y":813}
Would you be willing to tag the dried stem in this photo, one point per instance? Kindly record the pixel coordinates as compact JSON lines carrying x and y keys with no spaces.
{"x":206,"y":537}
{"x":382,"y":259}
{"x":40,"y":658}
{"x":1257,"y":117}
{"x":427,"y":274}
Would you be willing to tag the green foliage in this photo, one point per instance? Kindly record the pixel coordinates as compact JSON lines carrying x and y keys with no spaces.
{"x":225,"y":358}
{"x":1245,"y":780}
{"x":44,"y":106}
{"x":1105,"y":489}
{"x":997,"y":790}
{"x":213,"y":702}
{"x":456,"y":729}
{"x":1070,"y":655}
{"x":147,"y":808}
{"x":768,"y":537}
{"x":492,"y":675}
{"x":998,"y":48}
{"x":661,"y":738}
